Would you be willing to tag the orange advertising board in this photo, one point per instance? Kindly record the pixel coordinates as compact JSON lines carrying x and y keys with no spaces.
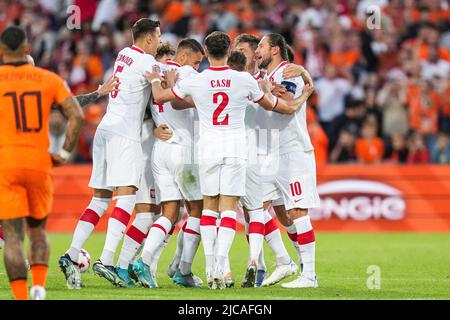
{"x":353,"y":198}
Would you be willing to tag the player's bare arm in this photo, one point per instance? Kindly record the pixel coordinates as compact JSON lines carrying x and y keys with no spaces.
{"x":111,"y":85}
{"x":186,"y":103}
{"x":278,"y":90}
{"x":286,"y":104}
{"x":294,"y":70}
{"x":160,"y":95}
{"x":73,"y":112}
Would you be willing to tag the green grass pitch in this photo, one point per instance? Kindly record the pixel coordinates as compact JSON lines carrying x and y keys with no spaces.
{"x":412,"y":266}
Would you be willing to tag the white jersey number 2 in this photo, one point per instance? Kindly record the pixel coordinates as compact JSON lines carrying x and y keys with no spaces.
{"x":220,"y":108}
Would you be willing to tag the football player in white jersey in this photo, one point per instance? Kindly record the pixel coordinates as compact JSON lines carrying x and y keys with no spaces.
{"x":147,"y":212}
{"x":176,"y":176}
{"x":117,"y":151}
{"x":222,"y":145}
{"x":290,"y":170}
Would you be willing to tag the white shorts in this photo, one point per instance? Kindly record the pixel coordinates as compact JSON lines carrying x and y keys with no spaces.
{"x":224,"y":176}
{"x":176,"y":175}
{"x":146,"y":192}
{"x":292,"y":178}
{"x":116,"y":161}
{"x":254,"y":196}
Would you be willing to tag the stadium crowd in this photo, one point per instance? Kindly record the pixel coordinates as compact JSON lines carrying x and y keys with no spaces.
{"x":382,"y":89}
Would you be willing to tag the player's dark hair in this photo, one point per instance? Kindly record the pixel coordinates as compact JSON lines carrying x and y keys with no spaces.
{"x":290,"y":53}
{"x":164,"y":49}
{"x":247,"y":38}
{"x":143,"y":26}
{"x":218,"y":44}
{"x":237,"y":61}
{"x":191,"y":44}
{"x":277,"y":40}
{"x":13,"y":37}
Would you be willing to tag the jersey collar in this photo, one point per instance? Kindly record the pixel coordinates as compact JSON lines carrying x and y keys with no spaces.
{"x":215,"y":68}
{"x":16,"y":64}
{"x":259,"y":75}
{"x":135,"y":48}
{"x":173,"y":63}
{"x":282,"y":64}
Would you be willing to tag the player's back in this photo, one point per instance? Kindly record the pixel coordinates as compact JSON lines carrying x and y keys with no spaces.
{"x":220,"y":95}
{"x":125,"y":111}
{"x":26,"y":96}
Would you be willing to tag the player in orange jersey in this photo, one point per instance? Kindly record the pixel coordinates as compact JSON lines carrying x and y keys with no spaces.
{"x":26,"y":189}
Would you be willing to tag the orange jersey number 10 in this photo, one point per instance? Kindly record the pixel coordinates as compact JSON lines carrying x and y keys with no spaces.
{"x":20,"y":110}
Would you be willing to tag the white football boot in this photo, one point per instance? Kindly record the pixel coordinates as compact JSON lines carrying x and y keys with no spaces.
{"x":37,"y":293}
{"x":302,"y":281}
{"x":281,"y":272}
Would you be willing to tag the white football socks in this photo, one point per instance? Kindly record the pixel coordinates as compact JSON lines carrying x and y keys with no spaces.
{"x":208,"y":231}
{"x":255,"y":233}
{"x":117,"y":224}
{"x":134,"y":237}
{"x":191,"y":241}
{"x":225,"y":237}
{"x":86,"y":224}
{"x":307,"y":243}
{"x":274,"y":240}
{"x":156,"y":236}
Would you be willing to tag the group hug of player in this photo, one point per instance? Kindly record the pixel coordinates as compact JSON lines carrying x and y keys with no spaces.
{"x":252,"y":148}
{"x":162,"y":161}
{"x":149,"y":158}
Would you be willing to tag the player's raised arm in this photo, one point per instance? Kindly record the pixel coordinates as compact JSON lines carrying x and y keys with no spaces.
{"x":294,"y":70}
{"x":160,"y":95}
{"x":73,"y":112}
{"x":111,"y":85}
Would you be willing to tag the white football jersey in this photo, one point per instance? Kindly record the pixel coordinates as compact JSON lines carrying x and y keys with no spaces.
{"x":291,"y":129}
{"x":251,"y":116}
{"x":181,"y":122}
{"x":220,"y":96}
{"x":126,"y":107}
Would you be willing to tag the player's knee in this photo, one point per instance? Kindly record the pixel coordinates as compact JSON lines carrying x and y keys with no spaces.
{"x":102,"y":193}
{"x":126,"y":191}
{"x":295,"y":213}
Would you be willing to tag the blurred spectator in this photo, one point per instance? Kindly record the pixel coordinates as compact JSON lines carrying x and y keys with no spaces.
{"x":424,"y":105}
{"x":319,"y":139}
{"x":57,"y":131}
{"x":440,"y":151}
{"x":344,"y":151}
{"x":369,"y":148}
{"x":391,"y":99}
{"x":87,"y":70}
{"x":331,"y":91}
{"x":445,"y":110}
{"x":435,"y":67}
{"x":351,"y":120}
{"x":399,"y":149}
{"x":417,"y":150}
{"x":93,"y":115}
